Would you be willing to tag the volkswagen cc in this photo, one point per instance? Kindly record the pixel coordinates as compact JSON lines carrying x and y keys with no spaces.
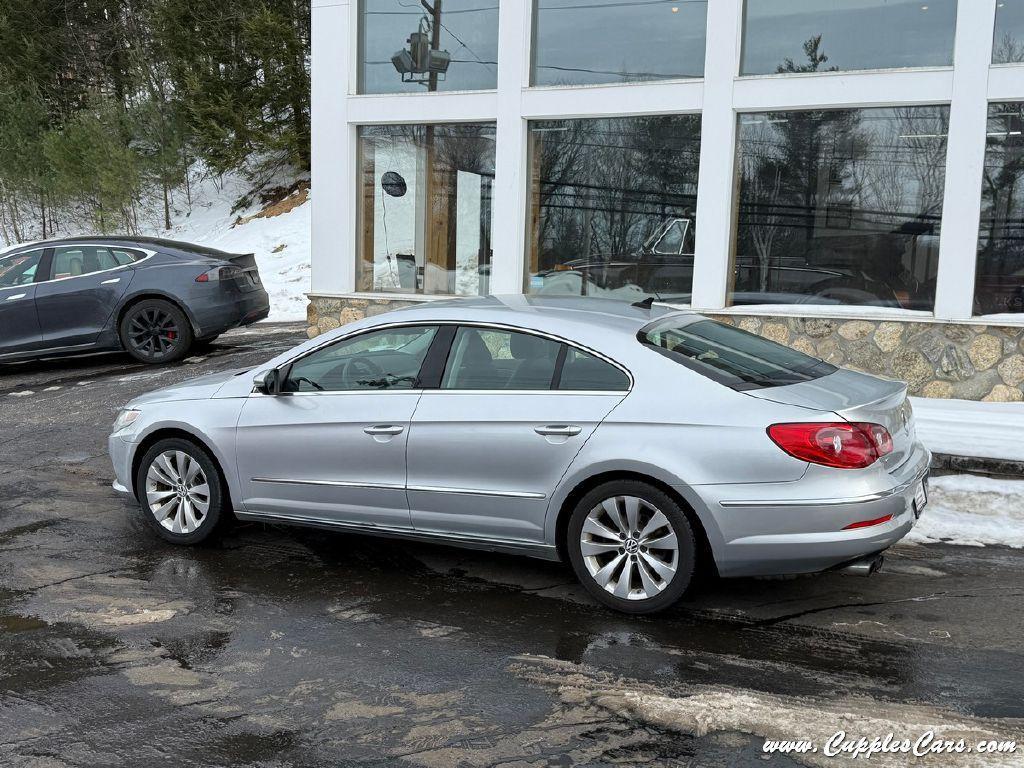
{"x":634,"y":443}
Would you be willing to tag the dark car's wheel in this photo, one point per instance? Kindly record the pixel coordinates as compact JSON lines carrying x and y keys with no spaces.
{"x":631,"y":546}
{"x":156,"y":331}
{"x":180,"y":491}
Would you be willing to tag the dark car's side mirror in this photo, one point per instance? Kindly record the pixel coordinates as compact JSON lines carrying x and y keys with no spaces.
{"x":268,"y":382}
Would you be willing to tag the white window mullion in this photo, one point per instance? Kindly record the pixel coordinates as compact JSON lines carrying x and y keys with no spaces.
{"x":333,"y":148}
{"x":508,"y":219}
{"x":961,"y":208}
{"x":717,"y":156}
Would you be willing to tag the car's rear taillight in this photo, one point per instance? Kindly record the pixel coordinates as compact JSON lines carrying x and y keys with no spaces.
{"x":218,"y":273}
{"x":844,"y":445}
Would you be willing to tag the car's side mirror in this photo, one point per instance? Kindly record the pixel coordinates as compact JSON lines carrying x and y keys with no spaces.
{"x":268,"y":382}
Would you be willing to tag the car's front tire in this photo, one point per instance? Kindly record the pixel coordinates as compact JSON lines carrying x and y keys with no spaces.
{"x":180,"y":489}
{"x":632,"y":546}
{"x":155,"y":331}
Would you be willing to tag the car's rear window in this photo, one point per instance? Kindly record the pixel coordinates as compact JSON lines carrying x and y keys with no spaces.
{"x":731,"y":356}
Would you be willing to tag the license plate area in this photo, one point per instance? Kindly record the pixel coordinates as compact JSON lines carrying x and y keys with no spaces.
{"x":920,"y":497}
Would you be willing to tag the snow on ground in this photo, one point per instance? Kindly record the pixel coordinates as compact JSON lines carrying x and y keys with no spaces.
{"x":780,"y":718}
{"x":281,"y":243}
{"x":969,"y":428}
{"x":972,"y":511}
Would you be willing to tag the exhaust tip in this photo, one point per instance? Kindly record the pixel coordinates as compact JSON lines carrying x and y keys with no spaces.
{"x":863,"y":567}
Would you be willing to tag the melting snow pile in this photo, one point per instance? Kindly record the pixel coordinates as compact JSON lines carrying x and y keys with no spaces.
{"x":972,"y":511}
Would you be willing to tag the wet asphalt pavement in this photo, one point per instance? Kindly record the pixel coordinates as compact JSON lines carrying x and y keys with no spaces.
{"x":285,"y":647}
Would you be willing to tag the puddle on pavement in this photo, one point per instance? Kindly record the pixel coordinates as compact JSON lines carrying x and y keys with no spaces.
{"x":12,"y":623}
{"x":18,"y":530}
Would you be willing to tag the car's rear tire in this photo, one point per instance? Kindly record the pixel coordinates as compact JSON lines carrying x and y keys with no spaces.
{"x":155,"y":331}
{"x":181,"y":493}
{"x":609,"y":540}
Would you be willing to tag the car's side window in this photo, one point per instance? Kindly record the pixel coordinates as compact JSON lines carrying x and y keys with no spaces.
{"x":671,"y":241}
{"x":583,"y":371}
{"x":389,"y":358}
{"x":76,"y":260}
{"x":19,"y":269}
{"x":492,"y":358}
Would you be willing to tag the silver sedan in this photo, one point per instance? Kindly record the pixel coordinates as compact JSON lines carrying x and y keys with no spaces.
{"x":638,"y":444}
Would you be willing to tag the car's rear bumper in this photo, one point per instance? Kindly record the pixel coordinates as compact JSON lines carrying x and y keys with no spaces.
{"x":771,"y":529}
{"x":214,"y":317}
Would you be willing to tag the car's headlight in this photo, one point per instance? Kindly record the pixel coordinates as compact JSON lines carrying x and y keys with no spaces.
{"x":125,"y":418}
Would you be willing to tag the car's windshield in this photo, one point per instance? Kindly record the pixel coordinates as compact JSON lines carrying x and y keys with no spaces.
{"x":731,"y":356}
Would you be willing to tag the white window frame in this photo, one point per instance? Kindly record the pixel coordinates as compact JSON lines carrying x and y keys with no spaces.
{"x":337,"y":110}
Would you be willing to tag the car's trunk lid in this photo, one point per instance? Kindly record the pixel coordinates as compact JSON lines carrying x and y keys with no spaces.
{"x":855,"y":397}
{"x":249,"y":280}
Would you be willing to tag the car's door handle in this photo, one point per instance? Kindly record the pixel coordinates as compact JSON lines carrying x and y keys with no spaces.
{"x":560,"y":430}
{"x":384,"y":429}
{"x":17,"y":296}
{"x":111,"y":281}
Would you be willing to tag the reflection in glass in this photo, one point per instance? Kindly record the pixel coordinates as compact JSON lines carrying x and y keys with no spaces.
{"x":820,"y":35}
{"x":577,"y":42}
{"x":1009,"y":38}
{"x":468,"y":30}
{"x":611,"y":208}
{"x":999,"y":285}
{"x":840,"y":206}
{"x":425,"y":208}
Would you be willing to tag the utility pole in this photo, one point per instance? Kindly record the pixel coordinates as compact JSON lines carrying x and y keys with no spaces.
{"x":435,"y":35}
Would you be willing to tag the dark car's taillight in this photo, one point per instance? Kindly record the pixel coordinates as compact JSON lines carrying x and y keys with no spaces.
{"x":843,"y":445}
{"x":219,"y":273}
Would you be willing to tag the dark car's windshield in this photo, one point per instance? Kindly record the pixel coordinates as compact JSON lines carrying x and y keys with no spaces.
{"x":730,"y":356}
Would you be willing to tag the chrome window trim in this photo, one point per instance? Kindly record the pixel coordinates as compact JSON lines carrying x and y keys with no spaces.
{"x":550,"y":337}
{"x":336,"y":392}
{"x":149,"y":254}
{"x":575,"y":392}
{"x":473,"y":324}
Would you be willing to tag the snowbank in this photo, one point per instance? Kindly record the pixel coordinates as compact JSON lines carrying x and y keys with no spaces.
{"x":972,"y":511}
{"x":969,"y":428}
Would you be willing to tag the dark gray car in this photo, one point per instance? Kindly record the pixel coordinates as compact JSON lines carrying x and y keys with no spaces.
{"x":152,"y":298}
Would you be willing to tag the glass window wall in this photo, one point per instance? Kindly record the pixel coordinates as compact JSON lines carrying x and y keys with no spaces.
{"x":612,"y":206}
{"x":999,"y":282}
{"x":579,"y":42}
{"x":789,"y":36}
{"x":425,"y":208}
{"x":840,"y":206}
{"x":1009,"y":38}
{"x":445,"y":45}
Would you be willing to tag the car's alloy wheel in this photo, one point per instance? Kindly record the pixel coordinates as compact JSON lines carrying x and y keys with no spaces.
{"x":181,"y":491}
{"x":177,"y":492}
{"x":629,"y":548}
{"x":632,"y":546}
{"x":153,"y":332}
{"x":156,"y":331}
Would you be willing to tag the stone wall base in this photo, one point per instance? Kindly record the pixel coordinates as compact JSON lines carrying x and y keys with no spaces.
{"x":967,"y":362}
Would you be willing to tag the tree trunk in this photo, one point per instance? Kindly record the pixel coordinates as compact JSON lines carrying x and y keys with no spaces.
{"x":167,"y":207}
